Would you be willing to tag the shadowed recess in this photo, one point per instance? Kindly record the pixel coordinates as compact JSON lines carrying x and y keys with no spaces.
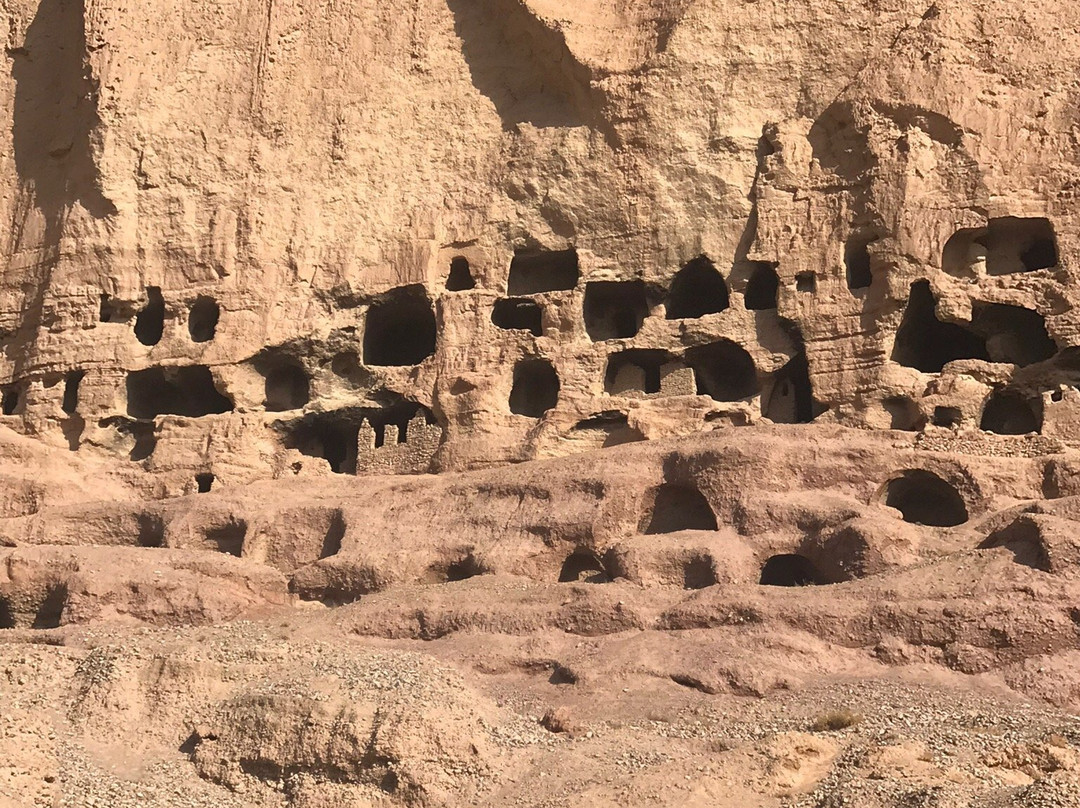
{"x":678,"y":507}
{"x":923,"y":498}
{"x":925,"y":343}
{"x":791,"y":569}
{"x":698,"y":289}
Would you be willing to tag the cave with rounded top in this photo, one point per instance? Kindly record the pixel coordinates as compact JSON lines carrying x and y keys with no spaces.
{"x":72,"y":381}
{"x":924,"y":498}
{"x":535,"y":272}
{"x":583,"y":566}
{"x":188,"y":391}
{"x":614,"y":309}
{"x":518,"y":314}
{"x":1013,"y":334}
{"x":1006,"y":246}
{"x":678,"y":507}
{"x":762,"y":288}
{"x":460,"y":278}
{"x":150,"y":321}
{"x":1008,"y":412}
{"x":925,"y":343}
{"x":697,"y":289}
{"x":400,"y":329}
{"x":203,"y":319}
{"x":535,"y":389}
{"x":287,"y":387}
{"x":791,"y":569}
{"x":724,"y":371}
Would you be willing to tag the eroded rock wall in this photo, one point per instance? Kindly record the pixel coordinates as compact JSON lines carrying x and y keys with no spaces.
{"x":244,"y":236}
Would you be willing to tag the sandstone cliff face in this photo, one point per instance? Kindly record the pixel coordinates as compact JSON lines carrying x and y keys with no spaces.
{"x":261,"y":239}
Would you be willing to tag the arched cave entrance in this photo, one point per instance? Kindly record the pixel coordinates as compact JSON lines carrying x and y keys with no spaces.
{"x":203,"y":319}
{"x":925,"y":343}
{"x":150,"y":321}
{"x":1008,"y":412}
{"x":698,"y":289}
{"x":583,"y":565}
{"x":535,"y":389}
{"x":1013,"y":334}
{"x":762,"y":288}
{"x":460,"y":278}
{"x":923,"y":498}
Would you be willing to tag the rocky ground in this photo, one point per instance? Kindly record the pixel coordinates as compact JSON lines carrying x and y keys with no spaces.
{"x":918,"y":666}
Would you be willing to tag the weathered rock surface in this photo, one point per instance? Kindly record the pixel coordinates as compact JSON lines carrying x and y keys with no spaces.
{"x":518,"y":402}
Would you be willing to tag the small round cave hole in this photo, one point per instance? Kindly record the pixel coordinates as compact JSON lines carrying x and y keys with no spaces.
{"x":762,"y":288}
{"x":150,"y":321}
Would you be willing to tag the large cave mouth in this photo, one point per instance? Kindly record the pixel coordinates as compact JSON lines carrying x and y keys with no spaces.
{"x":188,"y":391}
{"x":698,"y":289}
{"x":334,"y":435}
{"x":724,"y":371}
{"x":400,"y":328}
{"x":925,"y":343}
{"x":924,"y":498}
{"x":1007,"y":245}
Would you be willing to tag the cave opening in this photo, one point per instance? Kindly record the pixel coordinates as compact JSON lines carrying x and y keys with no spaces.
{"x":791,"y":569}
{"x":614,"y":309}
{"x":286,"y":387}
{"x":401,"y":329}
{"x":724,"y":371}
{"x":1008,"y":412}
{"x":635,"y":370}
{"x":188,"y":391}
{"x":460,"y":278}
{"x":203,"y":319}
{"x":583,"y":566}
{"x":535,"y":388}
{"x":762,"y":288}
{"x":678,"y":507}
{"x":1013,"y":334}
{"x":925,"y":343}
{"x":924,"y":498}
{"x":71,"y":390}
{"x":518,"y":314}
{"x":150,"y":321}
{"x":1007,"y":245}
{"x":697,"y":289}
{"x":857,"y":261}
{"x":536,"y":272}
